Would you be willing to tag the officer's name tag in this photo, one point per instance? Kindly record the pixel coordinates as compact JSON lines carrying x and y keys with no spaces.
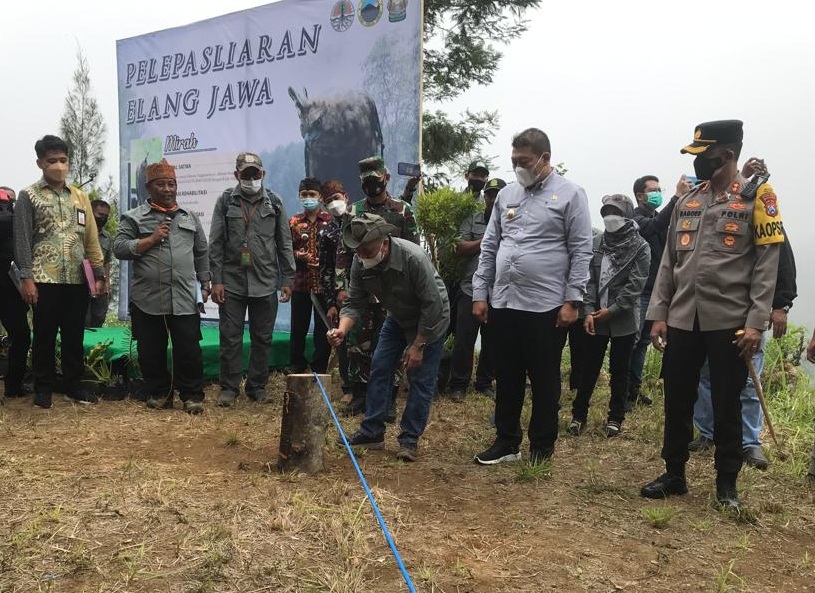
{"x":245,"y":257}
{"x":80,"y":217}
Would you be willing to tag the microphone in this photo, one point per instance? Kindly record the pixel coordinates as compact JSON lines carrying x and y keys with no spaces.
{"x":168,"y":218}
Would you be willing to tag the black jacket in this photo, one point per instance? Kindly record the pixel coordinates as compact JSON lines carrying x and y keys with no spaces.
{"x":786,"y":288}
{"x":654,"y":229}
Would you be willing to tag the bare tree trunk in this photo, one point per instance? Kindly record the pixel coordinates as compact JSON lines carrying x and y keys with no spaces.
{"x":303,"y":426}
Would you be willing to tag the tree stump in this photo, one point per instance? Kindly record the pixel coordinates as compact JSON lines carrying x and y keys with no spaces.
{"x":303,"y":425}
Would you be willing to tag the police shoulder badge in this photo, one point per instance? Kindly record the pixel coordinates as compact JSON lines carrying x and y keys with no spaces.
{"x":768,"y":227}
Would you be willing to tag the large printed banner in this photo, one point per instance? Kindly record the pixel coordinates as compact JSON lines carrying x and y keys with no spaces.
{"x":312,"y":86}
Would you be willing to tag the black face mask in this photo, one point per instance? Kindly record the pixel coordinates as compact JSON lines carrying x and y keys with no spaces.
{"x":476,"y":185}
{"x":705,"y":167}
{"x":373,"y":186}
{"x":101,"y":222}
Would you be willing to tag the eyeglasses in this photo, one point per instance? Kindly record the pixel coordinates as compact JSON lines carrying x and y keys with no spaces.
{"x":250,"y":174}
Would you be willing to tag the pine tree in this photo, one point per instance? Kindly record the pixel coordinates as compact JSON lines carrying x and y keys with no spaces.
{"x":459,"y":52}
{"x":82,"y":126}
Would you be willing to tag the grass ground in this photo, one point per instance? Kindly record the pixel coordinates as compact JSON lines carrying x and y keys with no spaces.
{"x":116,"y":497}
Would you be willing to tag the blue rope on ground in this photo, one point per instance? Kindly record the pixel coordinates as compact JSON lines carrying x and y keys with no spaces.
{"x":368,"y":492}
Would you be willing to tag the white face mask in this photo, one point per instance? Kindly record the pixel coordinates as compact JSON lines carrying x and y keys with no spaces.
{"x":337,"y":207}
{"x":370,"y":262}
{"x":614,"y":222}
{"x":527,"y":177}
{"x":251,"y":186}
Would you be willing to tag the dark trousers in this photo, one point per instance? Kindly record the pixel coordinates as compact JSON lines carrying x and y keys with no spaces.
{"x":619,"y":360}
{"x":151,"y":333}
{"x":97,"y":311}
{"x":684,"y":356}
{"x":301,"y":313}
{"x":577,"y":353}
{"x":262,"y":315}
{"x":529,"y":344}
{"x":640,"y":349}
{"x":467,"y":328}
{"x":60,"y":308}
{"x":14,"y":317}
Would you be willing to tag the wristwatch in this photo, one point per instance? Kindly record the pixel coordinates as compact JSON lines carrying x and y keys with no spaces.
{"x":419,"y":346}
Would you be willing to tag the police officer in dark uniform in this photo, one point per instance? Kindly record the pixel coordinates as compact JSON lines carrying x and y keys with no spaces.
{"x":712,"y":298}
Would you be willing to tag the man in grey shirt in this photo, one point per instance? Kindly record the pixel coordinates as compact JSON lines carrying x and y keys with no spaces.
{"x":399,"y":274}
{"x":250,"y":251}
{"x":533,"y":269}
{"x":169,"y":252}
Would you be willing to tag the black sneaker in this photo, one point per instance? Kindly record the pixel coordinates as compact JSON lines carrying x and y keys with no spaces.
{"x":612,"y":429}
{"x":538,"y":456}
{"x":576,"y":427}
{"x":363,"y":441}
{"x":193,"y":407}
{"x":226,"y":399}
{"x":498,"y":453}
{"x":82,"y":397}
{"x":407,"y":452}
{"x":43,"y":399}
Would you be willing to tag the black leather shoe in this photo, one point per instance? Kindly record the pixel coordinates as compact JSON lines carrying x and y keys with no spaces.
{"x":699,"y":445}
{"x":754,"y":457}
{"x":664,"y":486}
{"x":726,"y":494}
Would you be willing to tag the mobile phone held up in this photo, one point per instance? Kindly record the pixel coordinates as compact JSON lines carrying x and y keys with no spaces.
{"x":409,"y":169}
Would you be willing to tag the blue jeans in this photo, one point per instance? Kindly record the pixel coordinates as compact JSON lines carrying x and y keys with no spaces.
{"x":640,"y":347}
{"x":752,"y":418}
{"x":386,"y":359}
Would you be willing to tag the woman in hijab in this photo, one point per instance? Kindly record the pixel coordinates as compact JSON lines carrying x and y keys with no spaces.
{"x":619,"y":270}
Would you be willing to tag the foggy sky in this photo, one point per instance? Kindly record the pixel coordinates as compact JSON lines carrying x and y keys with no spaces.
{"x":618,"y":87}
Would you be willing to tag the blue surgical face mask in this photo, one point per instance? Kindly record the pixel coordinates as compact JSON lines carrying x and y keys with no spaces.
{"x":654,"y":199}
{"x":310,"y":203}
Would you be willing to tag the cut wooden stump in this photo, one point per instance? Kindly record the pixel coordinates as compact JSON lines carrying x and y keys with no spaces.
{"x":303,"y":425}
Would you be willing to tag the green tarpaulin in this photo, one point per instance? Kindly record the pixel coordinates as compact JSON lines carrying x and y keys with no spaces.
{"x":120,"y":345}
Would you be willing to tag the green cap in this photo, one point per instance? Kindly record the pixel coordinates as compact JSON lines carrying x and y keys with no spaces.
{"x":496,"y":184}
{"x":478,"y":165}
{"x":366,"y":228}
{"x":372,"y":166}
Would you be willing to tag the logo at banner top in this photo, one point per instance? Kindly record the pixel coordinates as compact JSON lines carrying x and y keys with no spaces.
{"x":342,"y":15}
{"x":369,"y":12}
{"x":397,"y":10}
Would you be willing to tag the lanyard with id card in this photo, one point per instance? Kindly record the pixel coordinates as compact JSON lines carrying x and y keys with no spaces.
{"x":245,"y":255}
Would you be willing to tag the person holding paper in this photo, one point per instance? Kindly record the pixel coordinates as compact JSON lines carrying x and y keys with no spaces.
{"x":54,"y":231}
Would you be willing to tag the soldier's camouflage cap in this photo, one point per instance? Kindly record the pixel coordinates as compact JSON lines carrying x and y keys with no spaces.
{"x":372,"y":167}
{"x":248,"y":159}
{"x":478,"y":165}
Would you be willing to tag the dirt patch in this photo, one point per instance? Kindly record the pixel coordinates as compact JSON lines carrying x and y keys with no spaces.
{"x":116,"y":497}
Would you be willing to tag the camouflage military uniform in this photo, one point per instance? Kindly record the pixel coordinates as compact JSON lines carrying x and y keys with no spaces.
{"x":363,"y":337}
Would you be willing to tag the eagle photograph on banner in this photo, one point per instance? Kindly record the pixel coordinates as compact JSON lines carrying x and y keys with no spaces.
{"x":311,"y":86}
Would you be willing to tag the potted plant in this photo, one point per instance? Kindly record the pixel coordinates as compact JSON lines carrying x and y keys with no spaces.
{"x":439,"y":214}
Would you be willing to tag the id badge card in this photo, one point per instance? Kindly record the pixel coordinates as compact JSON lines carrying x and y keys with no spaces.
{"x":245,"y":257}
{"x":80,"y":217}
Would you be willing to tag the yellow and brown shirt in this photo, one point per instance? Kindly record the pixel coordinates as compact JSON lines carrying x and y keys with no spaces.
{"x":53,"y":232}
